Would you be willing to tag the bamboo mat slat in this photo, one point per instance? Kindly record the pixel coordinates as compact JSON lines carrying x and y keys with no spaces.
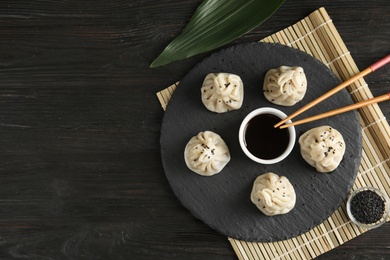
{"x":317,"y":36}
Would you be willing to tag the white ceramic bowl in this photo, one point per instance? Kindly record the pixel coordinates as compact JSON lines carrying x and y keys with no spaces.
{"x":272,"y":111}
{"x":385,"y":213}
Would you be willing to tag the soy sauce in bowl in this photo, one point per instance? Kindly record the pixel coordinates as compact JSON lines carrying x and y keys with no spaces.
{"x":263,"y":143}
{"x":263,"y":140}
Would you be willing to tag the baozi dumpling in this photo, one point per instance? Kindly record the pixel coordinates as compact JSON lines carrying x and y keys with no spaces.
{"x":285,"y":85}
{"x":323,"y":148}
{"x":222,"y":92}
{"x":272,"y":194}
{"x":206,"y":154}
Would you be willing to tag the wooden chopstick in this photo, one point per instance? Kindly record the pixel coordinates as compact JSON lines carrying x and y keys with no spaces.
{"x":361,"y":74}
{"x":340,"y":110}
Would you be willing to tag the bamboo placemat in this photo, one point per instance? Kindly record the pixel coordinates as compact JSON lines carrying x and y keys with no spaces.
{"x":317,"y":36}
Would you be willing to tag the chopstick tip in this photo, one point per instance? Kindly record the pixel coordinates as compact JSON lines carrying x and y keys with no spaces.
{"x":278,"y":124}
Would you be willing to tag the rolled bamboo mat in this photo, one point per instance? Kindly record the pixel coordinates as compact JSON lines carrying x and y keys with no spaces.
{"x":317,"y":36}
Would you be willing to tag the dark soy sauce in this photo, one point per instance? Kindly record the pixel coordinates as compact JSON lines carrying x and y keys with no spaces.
{"x":263,"y":140}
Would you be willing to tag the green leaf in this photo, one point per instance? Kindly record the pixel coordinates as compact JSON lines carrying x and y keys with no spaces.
{"x":215,"y":23}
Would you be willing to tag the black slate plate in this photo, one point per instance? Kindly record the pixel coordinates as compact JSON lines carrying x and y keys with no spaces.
{"x":223,"y":200}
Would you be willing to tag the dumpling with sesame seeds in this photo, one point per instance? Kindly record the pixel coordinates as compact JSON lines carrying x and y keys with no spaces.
{"x":206,"y":153}
{"x":222,"y":92}
{"x":273,"y":194}
{"x":322,"y":147}
{"x":285,"y":85}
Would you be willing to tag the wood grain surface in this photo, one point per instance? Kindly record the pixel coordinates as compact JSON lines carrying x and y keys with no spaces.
{"x":80,"y":167}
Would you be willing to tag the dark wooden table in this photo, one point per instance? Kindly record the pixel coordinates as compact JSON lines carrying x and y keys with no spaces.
{"x":80,"y":169}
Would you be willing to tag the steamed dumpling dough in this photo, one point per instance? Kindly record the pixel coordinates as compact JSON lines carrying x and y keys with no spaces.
{"x":285,"y":86}
{"x":272,"y":194}
{"x":222,"y":92}
{"x":323,"y":148}
{"x":206,"y":154}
